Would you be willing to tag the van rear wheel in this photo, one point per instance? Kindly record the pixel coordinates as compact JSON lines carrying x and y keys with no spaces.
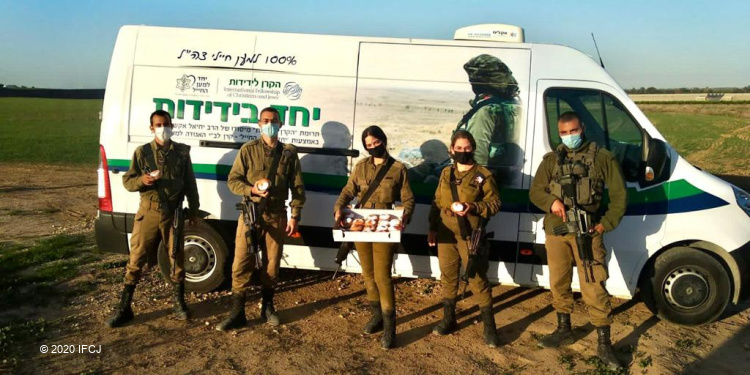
{"x":686,"y":286}
{"x":205,"y":259}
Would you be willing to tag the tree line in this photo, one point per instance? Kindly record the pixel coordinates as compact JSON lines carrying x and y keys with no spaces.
{"x":689,"y":90}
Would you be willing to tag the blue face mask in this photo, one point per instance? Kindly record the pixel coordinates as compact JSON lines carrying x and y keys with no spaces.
{"x":572,"y":141}
{"x":271,"y":130}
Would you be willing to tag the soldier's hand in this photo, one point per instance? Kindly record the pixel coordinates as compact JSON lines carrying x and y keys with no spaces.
{"x":468,"y":207}
{"x":291,"y":227}
{"x":192,"y":220}
{"x":337,"y":216}
{"x":558,"y":208}
{"x":599,"y":228}
{"x":147,"y":180}
{"x":432,"y":238}
{"x":259,"y":193}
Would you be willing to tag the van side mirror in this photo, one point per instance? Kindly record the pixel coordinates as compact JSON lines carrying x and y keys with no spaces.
{"x":656,"y":161}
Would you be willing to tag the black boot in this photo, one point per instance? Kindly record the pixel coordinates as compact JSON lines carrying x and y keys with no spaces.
{"x":490,"y":330}
{"x":604,"y":349}
{"x":389,"y":330}
{"x":376,"y":322}
{"x":267,"y":311}
{"x":448,"y":324}
{"x":123,"y":313}
{"x":562,"y":336}
{"x":180,"y":309}
{"x":236,"y":317}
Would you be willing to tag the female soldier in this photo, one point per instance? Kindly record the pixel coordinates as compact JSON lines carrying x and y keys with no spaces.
{"x":477,"y":200}
{"x":377,"y":258}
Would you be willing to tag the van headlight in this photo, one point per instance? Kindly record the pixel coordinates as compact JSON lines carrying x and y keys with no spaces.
{"x":743,"y":199}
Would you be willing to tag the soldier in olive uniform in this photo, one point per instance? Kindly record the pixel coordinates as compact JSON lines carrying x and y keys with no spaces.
{"x":161,"y":171}
{"x":492,"y":117}
{"x":479,"y":200}
{"x":592,"y":167}
{"x":252,"y":164}
{"x":377,"y":258}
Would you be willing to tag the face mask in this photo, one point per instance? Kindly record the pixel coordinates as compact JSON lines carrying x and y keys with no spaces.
{"x":163,"y":133}
{"x":463,"y":157}
{"x":572,"y":141}
{"x":271,"y":130}
{"x":378,"y":151}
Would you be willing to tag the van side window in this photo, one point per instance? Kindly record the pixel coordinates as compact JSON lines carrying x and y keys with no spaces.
{"x":607,"y":123}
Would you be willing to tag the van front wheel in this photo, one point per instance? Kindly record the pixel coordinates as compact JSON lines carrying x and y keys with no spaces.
{"x":686,"y":286}
{"x":205,"y":259}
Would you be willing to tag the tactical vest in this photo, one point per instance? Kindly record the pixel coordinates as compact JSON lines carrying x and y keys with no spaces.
{"x":577,"y":168}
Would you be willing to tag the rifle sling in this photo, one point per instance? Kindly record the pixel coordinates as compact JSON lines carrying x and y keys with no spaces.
{"x":463,"y":222}
{"x":375,"y":182}
{"x":150,"y":157}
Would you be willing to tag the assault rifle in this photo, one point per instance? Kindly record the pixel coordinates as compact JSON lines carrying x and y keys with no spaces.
{"x":477,"y":250}
{"x":250,"y":216}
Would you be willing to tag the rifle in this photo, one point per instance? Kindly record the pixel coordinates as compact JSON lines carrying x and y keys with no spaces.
{"x":477,"y":251}
{"x":178,"y":232}
{"x":578,"y":221}
{"x":341,"y":255}
{"x":250,"y":217}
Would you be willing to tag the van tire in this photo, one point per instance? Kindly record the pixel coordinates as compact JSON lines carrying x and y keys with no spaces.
{"x":205,"y":259}
{"x":686,"y":286}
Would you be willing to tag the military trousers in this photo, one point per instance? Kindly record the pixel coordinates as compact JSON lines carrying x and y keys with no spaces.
{"x":562,"y":252}
{"x":453,"y":255}
{"x":376,"y":259}
{"x":272,"y":233}
{"x":149,"y":229}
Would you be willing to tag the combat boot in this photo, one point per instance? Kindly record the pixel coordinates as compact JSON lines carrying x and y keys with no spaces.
{"x":562,"y":336}
{"x":267,"y":311}
{"x":389,"y":330}
{"x":180,"y":309}
{"x":604,"y":349}
{"x":490,"y":330}
{"x":376,"y":321}
{"x":123,"y":312}
{"x":236,"y":317}
{"x":448,"y":324}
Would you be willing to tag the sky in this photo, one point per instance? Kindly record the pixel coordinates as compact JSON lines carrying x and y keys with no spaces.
{"x":664,"y":44}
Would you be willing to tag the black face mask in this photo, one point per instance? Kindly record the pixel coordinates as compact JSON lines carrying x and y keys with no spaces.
{"x":463,"y":157}
{"x":378,"y":151}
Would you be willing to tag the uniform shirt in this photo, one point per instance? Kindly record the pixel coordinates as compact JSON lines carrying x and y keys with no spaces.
{"x":394,"y":187}
{"x":177,"y":174}
{"x":491,"y":126}
{"x":475,"y":186}
{"x":606,"y":168}
{"x":253,"y":163}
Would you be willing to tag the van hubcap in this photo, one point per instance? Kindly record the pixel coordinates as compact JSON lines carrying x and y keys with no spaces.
{"x":686,"y":288}
{"x":200,"y":259}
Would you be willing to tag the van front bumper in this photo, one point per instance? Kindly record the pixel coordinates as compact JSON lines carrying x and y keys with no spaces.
{"x":741,"y":256}
{"x":111,"y":232}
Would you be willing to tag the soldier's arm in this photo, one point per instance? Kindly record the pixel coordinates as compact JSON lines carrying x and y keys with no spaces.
{"x":348,"y":192}
{"x":237,"y":180}
{"x":407,"y":196}
{"x":538,"y":193}
{"x":434,"y":217}
{"x":132,"y":178}
{"x":618,"y":195}
{"x":191,"y":188}
{"x":298,"y":189}
{"x":490,"y":203}
{"x":481,"y":126}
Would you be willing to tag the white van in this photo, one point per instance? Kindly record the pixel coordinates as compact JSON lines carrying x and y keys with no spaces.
{"x":684,"y":241}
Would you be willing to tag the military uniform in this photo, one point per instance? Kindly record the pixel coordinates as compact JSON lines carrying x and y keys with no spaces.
{"x":377,"y":258}
{"x":153,"y":220}
{"x":155,"y":216}
{"x":252,"y":164}
{"x":562,"y":251}
{"x":491,"y":126}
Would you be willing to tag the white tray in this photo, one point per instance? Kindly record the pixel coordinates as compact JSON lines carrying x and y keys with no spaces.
{"x":343,"y":235}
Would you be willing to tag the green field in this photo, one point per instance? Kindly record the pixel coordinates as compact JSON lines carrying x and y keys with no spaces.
{"x":66,"y":131}
{"x":49,"y":131}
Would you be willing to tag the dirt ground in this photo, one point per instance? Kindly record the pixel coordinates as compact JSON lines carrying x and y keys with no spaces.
{"x":322,"y":318}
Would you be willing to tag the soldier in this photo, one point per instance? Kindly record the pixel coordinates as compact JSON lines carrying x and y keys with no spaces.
{"x":466,"y":198}
{"x":492,"y":117}
{"x":253,"y":164}
{"x":377,"y":257}
{"x":591,"y":168}
{"x":161,"y":171}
